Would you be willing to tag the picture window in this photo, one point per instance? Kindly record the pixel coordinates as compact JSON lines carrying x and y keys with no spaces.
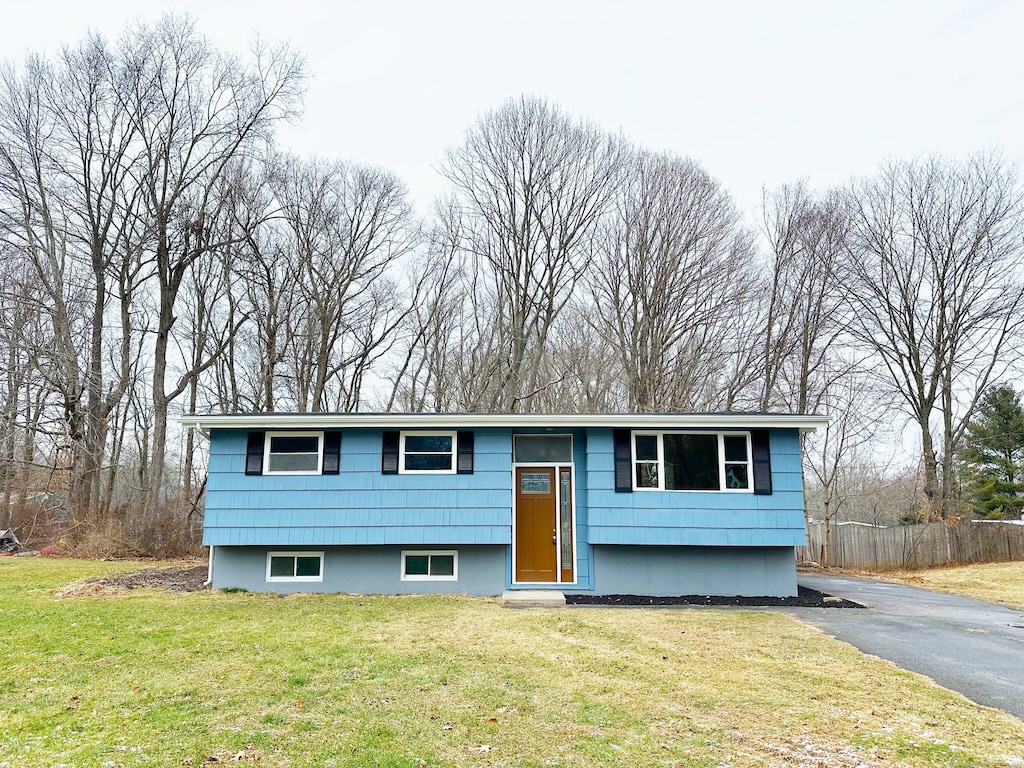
{"x":692,"y":461}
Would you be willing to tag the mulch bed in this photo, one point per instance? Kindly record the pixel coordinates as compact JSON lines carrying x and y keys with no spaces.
{"x":806,"y":598}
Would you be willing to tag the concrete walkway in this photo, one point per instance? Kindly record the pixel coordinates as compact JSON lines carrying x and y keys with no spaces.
{"x":970,"y":646}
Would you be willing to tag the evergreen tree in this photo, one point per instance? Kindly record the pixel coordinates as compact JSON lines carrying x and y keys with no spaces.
{"x":993,"y":455}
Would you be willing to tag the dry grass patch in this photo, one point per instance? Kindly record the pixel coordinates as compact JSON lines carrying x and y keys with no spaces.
{"x":159,"y":678}
{"x":995,"y":582}
{"x":176,"y":576}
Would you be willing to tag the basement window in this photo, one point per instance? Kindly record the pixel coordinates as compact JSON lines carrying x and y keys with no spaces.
{"x":442,"y":565}
{"x":295,"y":566}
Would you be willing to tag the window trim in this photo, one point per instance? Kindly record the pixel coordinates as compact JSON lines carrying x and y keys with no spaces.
{"x":303,"y":433}
{"x":453,"y":434}
{"x":295,"y":554}
{"x":430,"y":553}
{"x":722,"y":487}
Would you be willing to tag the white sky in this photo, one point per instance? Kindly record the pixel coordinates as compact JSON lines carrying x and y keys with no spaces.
{"x":759,"y":93}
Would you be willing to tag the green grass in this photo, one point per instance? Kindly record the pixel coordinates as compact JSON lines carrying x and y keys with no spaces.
{"x":150,"y":678}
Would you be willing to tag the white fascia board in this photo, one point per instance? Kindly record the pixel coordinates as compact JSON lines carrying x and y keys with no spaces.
{"x":716,"y":421}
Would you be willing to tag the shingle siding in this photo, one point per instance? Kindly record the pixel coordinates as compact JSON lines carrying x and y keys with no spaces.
{"x":359,"y":505}
{"x":694,"y":517}
{"x":362,"y":506}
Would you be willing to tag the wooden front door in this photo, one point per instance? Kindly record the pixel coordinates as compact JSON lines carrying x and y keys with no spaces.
{"x":536,"y":552}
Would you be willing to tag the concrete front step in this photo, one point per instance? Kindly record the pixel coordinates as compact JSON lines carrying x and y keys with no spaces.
{"x":532,"y":598}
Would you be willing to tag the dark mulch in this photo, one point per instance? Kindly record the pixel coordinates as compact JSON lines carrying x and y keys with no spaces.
{"x":806,"y":598}
{"x":187,"y":578}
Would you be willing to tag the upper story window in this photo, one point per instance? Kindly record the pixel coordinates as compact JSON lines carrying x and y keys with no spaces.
{"x":692,"y":461}
{"x":427,"y":452}
{"x":293,"y":453}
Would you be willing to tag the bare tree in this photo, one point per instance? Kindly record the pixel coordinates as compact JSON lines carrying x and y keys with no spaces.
{"x":428,"y":371}
{"x":205,"y":328}
{"x":583,"y":376}
{"x":195,"y":111}
{"x":23,"y":395}
{"x":935,"y":291}
{"x":804,"y":312}
{"x":348,"y":227}
{"x":530,"y":187}
{"x":65,"y":165}
{"x":672,"y":274}
{"x":262,"y":292}
{"x":838,"y":456}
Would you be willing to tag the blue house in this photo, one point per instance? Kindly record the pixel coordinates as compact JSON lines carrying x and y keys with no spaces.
{"x":644,"y":504}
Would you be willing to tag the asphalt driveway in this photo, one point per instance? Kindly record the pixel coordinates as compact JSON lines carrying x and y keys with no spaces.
{"x":970,"y":646}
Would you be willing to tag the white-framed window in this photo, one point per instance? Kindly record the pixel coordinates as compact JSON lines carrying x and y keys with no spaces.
{"x":692,"y":461}
{"x":430,"y":565}
{"x":293,"y":453}
{"x":295,"y":566}
{"x":427,"y":452}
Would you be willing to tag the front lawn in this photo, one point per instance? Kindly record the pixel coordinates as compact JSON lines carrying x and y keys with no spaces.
{"x":995,"y":582}
{"x":148,"y":678}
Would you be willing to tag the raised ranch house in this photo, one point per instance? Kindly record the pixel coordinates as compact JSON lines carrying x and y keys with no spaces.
{"x":642,"y":504}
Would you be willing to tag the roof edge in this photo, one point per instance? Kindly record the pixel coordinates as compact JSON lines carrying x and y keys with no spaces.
{"x":730,"y":420}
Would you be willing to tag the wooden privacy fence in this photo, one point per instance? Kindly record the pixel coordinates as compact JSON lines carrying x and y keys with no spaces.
{"x":912,"y":546}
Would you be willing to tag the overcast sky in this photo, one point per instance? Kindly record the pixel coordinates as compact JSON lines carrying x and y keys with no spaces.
{"x":757,"y":92}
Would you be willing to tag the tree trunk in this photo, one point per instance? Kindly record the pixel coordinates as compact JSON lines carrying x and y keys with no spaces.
{"x":932,"y":490}
{"x":154,"y":480}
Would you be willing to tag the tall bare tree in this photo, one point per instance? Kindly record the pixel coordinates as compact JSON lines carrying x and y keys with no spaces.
{"x":195,"y":110}
{"x":264,"y":268}
{"x":803,"y":328}
{"x":67,"y":160}
{"x":23,"y":394}
{"x":428,"y":369}
{"x":935,"y":291}
{"x":530,"y":187}
{"x":673,"y":271}
{"x":348,"y":226}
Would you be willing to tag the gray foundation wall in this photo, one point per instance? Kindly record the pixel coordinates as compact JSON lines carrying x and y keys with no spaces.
{"x":617,"y":569}
{"x":365,"y":570}
{"x":671,"y":571}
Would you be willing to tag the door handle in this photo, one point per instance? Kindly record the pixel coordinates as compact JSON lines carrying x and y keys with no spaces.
{"x":554,"y":538}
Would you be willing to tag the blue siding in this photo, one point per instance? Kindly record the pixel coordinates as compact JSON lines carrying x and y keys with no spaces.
{"x":359,"y":505}
{"x":697,"y":518}
{"x":584,"y":554}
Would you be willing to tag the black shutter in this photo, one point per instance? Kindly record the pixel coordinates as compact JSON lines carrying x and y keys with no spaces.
{"x":389,"y":454}
{"x":332,"y":453}
{"x":465,"y":457}
{"x":254,"y":453}
{"x":762,"y":462}
{"x":623,"y":461}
